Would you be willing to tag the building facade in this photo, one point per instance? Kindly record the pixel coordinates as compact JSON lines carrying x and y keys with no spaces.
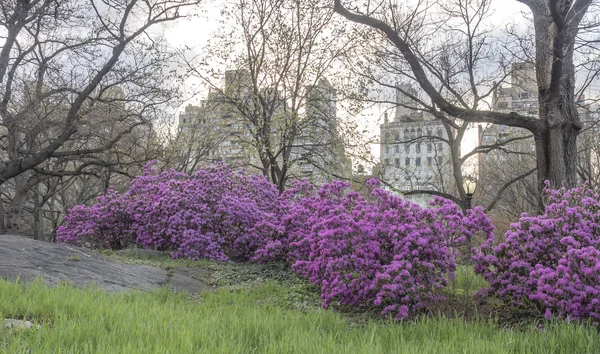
{"x":218,"y":131}
{"x":520,"y":96}
{"x":414,"y":151}
{"x":319,"y":152}
{"x":515,"y":154}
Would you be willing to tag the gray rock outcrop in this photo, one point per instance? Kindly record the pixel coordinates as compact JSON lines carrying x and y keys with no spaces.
{"x":27,"y":259}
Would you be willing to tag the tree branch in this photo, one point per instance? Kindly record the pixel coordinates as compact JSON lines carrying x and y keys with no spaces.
{"x":505,"y":187}
{"x":511,"y":119}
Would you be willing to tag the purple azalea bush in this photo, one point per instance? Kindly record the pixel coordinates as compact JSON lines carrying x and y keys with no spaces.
{"x":379,"y":251}
{"x":382,"y":251}
{"x":106,"y":224}
{"x":551,"y":261}
{"x":217,"y":214}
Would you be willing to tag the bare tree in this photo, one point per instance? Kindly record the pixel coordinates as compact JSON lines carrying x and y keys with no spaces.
{"x":557,"y":24}
{"x":278,"y":95}
{"x":80,"y":83}
{"x":466,"y":67}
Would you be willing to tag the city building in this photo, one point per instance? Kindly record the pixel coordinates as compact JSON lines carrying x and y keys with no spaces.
{"x":515,"y":152}
{"x":319,"y":151}
{"x":217,"y":131}
{"x":414,"y":153}
{"x":520,"y":96}
{"x":522,"y":93}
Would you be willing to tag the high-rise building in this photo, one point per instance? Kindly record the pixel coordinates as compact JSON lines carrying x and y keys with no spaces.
{"x":521,"y":96}
{"x":515,"y":154}
{"x":414,"y":153}
{"x":217,"y":130}
{"x":214,"y":131}
{"x":319,"y":149}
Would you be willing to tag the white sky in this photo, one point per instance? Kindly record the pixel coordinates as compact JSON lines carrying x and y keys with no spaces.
{"x":195,"y":33}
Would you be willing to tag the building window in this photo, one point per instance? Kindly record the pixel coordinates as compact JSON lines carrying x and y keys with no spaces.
{"x":440,"y":146}
{"x":407,"y":161}
{"x":419,"y":133}
{"x":429,"y":132}
{"x":418,"y":161}
{"x":387,"y":150}
{"x":419,"y":148}
{"x":397,"y":162}
{"x":396,"y":136}
{"x":501,"y":105}
{"x":524,"y":95}
{"x":407,"y":148}
{"x":412,"y":133}
{"x":397,"y":149}
{"x":429,"y":147}
{"x":439,"y":160}
{"x":429,"y":161}
{"x":439,"y":132}
{"x":406,"y":134}
{"x":386,"y":162}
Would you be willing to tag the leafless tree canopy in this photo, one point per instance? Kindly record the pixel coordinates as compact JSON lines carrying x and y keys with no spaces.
{"x":80,"y":82}
{"x":454,"y":87}
{"x":279,"y":52}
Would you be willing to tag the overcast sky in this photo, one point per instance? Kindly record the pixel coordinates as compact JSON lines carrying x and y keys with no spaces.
{"x":196,"y":33}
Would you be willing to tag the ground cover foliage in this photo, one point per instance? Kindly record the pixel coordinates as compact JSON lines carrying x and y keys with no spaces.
{"x":376,"y":252}
{"x":260,"y":319}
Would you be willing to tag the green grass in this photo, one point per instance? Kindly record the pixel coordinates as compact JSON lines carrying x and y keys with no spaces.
{"x":137,"y":256}
{"x":232,"y":275}
{"x":466,"y":281}
{"x":262,"y":319}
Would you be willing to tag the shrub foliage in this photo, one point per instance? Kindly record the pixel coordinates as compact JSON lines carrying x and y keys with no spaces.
{"x":550,"y":261}
{"x":217,"y":214}
{"x":379,"y":251}
{"x":382,"y":251}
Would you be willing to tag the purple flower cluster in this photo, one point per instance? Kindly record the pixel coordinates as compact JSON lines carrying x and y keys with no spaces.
{"x":382,"y":251}
{"x":551,"y":261}
{"x":379,"y":251}
{"x":105,"y":224}
{"x":217,"y":214}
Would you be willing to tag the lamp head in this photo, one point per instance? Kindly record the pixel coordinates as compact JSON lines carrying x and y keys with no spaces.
{"x":469,"y":185}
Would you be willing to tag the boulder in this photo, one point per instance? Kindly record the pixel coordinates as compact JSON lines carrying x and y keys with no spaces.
{"x":28,"y":259}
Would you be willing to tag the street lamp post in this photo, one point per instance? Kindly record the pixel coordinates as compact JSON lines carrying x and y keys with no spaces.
{"x":469,"y":186}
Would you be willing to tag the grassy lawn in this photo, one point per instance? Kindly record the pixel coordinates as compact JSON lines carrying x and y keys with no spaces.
{"x":265,"y":317}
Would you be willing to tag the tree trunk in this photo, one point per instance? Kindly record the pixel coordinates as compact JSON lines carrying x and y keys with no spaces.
{"x":37,"y":214}
{"x":15,"y":210}
{"x":2,"y":228}
{"x":556,"y":145}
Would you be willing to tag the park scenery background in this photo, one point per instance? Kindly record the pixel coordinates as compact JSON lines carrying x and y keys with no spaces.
{"x":390,"y":274}
{"x":343,"y":176}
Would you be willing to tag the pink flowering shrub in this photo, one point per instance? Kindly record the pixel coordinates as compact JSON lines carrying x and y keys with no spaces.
{"x":381,"y":251}
{"x":551,"y":261}
{"x":106,"y":224}
{"x":217,"y":214}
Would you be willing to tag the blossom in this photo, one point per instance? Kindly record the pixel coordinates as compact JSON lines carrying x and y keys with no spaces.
{"x":551,"y":261}
{"x":217,"y":214}
{"x":380,"y":251}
